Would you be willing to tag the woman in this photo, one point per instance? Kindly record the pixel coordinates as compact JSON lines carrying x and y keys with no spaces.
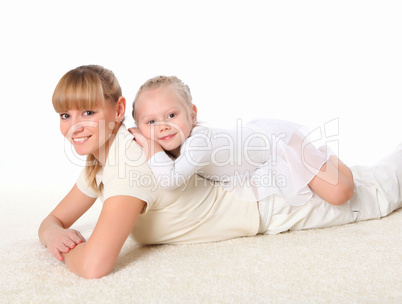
{"x":91,"y":108}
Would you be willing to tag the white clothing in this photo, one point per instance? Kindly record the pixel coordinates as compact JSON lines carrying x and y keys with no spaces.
{"x":378,"y":192}
{"x":203,"y":211}
{"x":199,"y":211}
{"x":262,"y":158}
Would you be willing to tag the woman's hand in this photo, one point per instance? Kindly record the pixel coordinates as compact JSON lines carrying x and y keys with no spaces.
{"x":96,"y":257}
{"x":150,"y":146}
{"x":53,"y":231}
{"x":62,"y":240}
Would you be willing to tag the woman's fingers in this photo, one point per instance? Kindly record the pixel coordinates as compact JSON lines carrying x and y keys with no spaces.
{"x":65,"y":241}
{"x":56,"y":252}
{"x":66,"y":248}
{"x":81,"y":239}
{"x":57,"y":255}
{"x":75,"y":237}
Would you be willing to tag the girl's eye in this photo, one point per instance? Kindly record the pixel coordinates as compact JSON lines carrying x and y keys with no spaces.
{"x":64,"y":116}
{"x":151,"y":122}
{"x":172,"y":115}
{"x":89,"y":113}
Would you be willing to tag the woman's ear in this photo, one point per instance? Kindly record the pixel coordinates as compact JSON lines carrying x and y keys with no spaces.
{"x":194,"y":114}
{"x":121,"y":109}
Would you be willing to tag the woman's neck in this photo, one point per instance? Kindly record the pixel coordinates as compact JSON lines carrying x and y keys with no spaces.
{"x":103,"y":152}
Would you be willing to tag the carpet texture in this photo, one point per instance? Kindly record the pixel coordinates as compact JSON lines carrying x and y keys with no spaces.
{"x":357,"y":263}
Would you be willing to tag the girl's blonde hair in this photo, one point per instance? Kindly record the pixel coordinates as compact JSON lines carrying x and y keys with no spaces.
{"x":83,"y":88}
{"x":181,"y":89}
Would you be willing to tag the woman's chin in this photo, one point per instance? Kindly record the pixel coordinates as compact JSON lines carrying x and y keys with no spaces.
{"x":81,"y":152}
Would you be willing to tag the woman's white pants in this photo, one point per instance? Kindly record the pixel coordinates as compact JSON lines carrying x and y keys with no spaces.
{"x":378,"y":192}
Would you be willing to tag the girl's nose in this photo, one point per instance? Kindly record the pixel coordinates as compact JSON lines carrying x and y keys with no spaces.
{"x":163,"y":127}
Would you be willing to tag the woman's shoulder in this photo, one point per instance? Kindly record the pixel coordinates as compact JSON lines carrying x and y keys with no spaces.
{"x":125,"y":149}
{"x":127,"y":171}
{"x":126,"y":154}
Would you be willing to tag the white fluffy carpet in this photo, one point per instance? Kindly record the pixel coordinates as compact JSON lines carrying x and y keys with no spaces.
{"x":357,"y":263}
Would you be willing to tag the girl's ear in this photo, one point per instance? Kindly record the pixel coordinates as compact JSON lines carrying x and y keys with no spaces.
{"x":194,"y":114}
{"x":121,"y":108}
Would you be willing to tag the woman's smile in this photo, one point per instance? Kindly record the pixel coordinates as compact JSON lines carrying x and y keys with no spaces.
{"x":80,"y":140}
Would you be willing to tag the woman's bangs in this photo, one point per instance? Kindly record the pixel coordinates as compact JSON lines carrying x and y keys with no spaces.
{"x":77,"y":93}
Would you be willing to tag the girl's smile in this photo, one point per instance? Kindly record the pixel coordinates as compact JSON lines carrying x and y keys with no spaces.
{"x":167,"y":137}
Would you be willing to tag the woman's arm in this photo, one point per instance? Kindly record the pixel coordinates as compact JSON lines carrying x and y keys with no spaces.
{"x":96,"y":257}
{"x":54,"y":230}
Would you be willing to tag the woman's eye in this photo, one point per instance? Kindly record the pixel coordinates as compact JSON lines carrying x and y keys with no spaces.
{"x":64,"y":116}
{"x":151,"y":122}
{"x":89,"y":113}
{"x":172,"y":115}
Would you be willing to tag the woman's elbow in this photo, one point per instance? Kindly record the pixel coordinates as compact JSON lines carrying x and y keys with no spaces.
{"x":95,"y":271}
{"x":90,"y":267}
{"x":93,"y":275}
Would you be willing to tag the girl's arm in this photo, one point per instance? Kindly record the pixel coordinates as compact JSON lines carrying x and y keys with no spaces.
{"x":171,"y":174}
{"x":96,"y":257}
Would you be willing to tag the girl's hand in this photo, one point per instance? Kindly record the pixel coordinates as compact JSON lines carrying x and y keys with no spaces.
{"x":139,"y":137}
{"x":62,"y":241}
{"x":150,"y":146}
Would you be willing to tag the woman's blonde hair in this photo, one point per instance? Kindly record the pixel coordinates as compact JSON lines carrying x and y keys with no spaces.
{"x":181,"y":89}
{"x":83,"y":88}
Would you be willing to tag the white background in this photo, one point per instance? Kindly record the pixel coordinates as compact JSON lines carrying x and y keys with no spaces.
{"x":305,"y":61}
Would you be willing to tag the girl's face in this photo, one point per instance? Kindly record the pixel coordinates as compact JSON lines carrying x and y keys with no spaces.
{"x":90,"y":130}
{"x":162,"y":117}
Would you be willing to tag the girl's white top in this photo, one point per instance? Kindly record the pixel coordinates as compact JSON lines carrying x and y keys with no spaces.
{"x":262,"y":158}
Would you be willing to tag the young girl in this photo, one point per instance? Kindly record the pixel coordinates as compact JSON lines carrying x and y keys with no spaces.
{"x":259,"y":159}
{"x":91,"y":108}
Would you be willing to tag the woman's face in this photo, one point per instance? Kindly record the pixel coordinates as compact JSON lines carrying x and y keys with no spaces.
{"x":90,"y":130}
{"x":162,"y":117}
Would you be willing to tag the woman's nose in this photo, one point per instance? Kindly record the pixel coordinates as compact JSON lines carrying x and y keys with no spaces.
{"x":76,"y":126}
